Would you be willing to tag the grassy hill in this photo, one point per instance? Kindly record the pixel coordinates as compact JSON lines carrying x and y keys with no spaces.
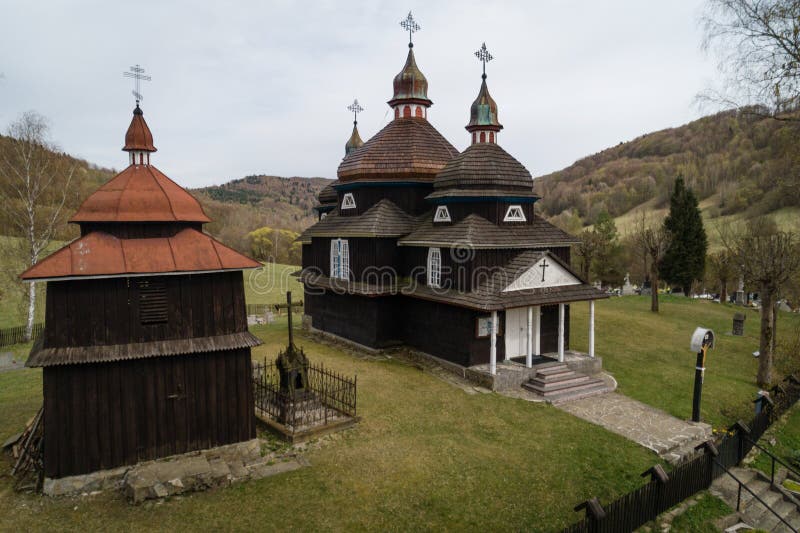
{"x":739,"y":164}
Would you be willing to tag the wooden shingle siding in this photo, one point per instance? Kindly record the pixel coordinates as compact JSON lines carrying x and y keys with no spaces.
{"x":103,"y":415}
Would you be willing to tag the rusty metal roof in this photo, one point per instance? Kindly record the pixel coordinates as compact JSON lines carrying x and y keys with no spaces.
{"x":138,"y":136}
{"x":99,"y":254}
{"x":140,"y":193}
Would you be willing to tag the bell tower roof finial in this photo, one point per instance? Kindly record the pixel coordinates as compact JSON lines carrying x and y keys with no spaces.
{"x":410,"y":96}
{"x":411,"y":26}
{"x":138,"y":137}
{"x":354,"y":142}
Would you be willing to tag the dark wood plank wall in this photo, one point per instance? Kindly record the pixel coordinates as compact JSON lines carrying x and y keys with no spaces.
{"x":370,"y":258}
{"x":409,"y":198}
{"x":126,"y":230}
{"x":549,"y":328}
{"x":104,"y":415}
{"x":373,"y":322}
{"x":106,"y":311}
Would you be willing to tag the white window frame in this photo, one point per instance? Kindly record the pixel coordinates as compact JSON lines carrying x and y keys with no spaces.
{"x":518,"y":216}
{"x":340,"y":259}
{"x":434,"y":267}
{"x":348,"y":201}
{"x":442,"y":214}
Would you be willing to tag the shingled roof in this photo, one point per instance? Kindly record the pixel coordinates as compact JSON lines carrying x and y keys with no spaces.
{"x":327,"y":195}
{"x":99,"y":254}
{"x":487,"y":296}
{"x":384,"y":219}
{"x":484,"y":165}
{"x":407,"y":149}
{"x":477,"y":232}
{"x":140,"y":193}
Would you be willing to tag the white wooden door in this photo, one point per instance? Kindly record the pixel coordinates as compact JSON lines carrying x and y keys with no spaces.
{"x":516,"y":332}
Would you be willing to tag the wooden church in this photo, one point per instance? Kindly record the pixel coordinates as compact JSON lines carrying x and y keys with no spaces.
{"x":439,"y":250}
{"x":146,"y":351}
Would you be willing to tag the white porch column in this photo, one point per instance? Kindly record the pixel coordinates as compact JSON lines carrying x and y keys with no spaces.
{"x":591,"y":328}
{"x":537,"y":330}
{"x":493,"y":349}
{"x":561,"y":333}
{"x":529,"y":354}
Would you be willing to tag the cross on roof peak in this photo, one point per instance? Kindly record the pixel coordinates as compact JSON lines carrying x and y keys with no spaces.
{"x":411,"y":26}
{"x":137,"y":73}
{"x":484,"y":57}
{"x":356,"y":108}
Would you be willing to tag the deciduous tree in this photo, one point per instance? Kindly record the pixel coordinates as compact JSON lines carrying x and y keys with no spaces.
{"x":768,"y":259}
{"x":652,"y":238}
{"x":34,"y":182}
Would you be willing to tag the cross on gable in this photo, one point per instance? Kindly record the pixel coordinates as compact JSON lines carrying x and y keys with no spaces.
{"x":543,"y":266}
{"x":137,"y":73}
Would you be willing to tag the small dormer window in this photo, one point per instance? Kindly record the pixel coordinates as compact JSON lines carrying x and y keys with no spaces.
{"x":348,"y":202}
{"x":434,"y":267}
{"x":442,"y":214}
{"x":514,"y":214}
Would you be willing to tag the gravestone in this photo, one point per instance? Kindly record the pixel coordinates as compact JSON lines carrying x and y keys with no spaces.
{"x":738,"y":324}
{"x":627,"y":288}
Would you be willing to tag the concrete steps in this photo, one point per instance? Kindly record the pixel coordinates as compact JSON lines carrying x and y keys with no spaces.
{"x":753,"y":512}
{"x":555,"y":382}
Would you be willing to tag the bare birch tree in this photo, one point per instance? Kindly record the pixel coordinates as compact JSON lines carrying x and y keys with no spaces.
{"x":34,"y":182}
{"x":768,"y":259}
{"x":757,"y":45}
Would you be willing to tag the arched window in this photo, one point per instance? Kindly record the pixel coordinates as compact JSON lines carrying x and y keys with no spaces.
{"x":407,"y":111}
{"x":434,"y":267}
{"x":491,"y":136}
{"x":483,"y":136}
{"x":418,"y":112}
{"x":340,"y":259}
{"x":514,"y":213}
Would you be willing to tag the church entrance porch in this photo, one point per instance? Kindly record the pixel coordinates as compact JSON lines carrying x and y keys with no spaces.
{"x":512,"y":374}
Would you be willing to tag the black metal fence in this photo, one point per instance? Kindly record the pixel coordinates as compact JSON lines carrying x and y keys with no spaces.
{"x":663,"y":492}
{"x":330,"y":397}
{"x":16,"y":335}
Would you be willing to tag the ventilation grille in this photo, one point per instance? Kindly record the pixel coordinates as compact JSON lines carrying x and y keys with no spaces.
{"x":152,"y":302}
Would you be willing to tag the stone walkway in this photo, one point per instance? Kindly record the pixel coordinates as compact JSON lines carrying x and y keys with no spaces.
{"x":669,"y":437}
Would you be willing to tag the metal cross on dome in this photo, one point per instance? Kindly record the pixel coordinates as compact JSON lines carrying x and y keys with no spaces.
{"x":484,"y":57}
{"x":356,"y":108}
{"x":411,"y":26}
{"x":137,"y":73}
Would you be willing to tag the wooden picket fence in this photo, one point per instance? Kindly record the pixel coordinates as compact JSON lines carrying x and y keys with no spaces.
{"x":633,"y":510}
{"x":16,"y":335}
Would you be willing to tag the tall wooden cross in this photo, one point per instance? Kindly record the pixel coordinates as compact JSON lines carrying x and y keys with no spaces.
{"x":356,"y":108}
{"x":137,"y":73}
{"x":484,"y":57}
{"x":411,"y":26}
{"x":543,"y":266}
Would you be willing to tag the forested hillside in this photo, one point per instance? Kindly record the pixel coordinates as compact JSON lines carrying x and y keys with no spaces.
{"x":738,"y":162}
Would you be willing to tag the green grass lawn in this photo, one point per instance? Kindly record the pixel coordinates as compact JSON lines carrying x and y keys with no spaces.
{"x":700,"y":517}
{"x":426,"y":455}
{"x":786,"y":435}
{"x":649,"y":354}
{"x":268,"y":285}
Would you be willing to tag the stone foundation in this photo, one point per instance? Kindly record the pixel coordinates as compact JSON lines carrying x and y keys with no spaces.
{"x":178,"y":474}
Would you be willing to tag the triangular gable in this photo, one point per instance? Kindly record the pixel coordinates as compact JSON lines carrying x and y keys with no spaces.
{"x":546,"y":272}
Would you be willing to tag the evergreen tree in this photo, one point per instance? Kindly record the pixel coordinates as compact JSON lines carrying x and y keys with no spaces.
{"x":685,"y":258}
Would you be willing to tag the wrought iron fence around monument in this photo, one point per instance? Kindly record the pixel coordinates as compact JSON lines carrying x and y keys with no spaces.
{"x":330,"y":397}
{"x":638,"y":507}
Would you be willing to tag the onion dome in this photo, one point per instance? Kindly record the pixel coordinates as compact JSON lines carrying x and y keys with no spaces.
{"x":354,"y":142}
{"x":483,"y":115}
{"x":410,"y":85}
{"x":138,"y":136}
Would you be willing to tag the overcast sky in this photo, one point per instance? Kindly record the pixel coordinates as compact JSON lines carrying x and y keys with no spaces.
{"x":262,"y":87}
